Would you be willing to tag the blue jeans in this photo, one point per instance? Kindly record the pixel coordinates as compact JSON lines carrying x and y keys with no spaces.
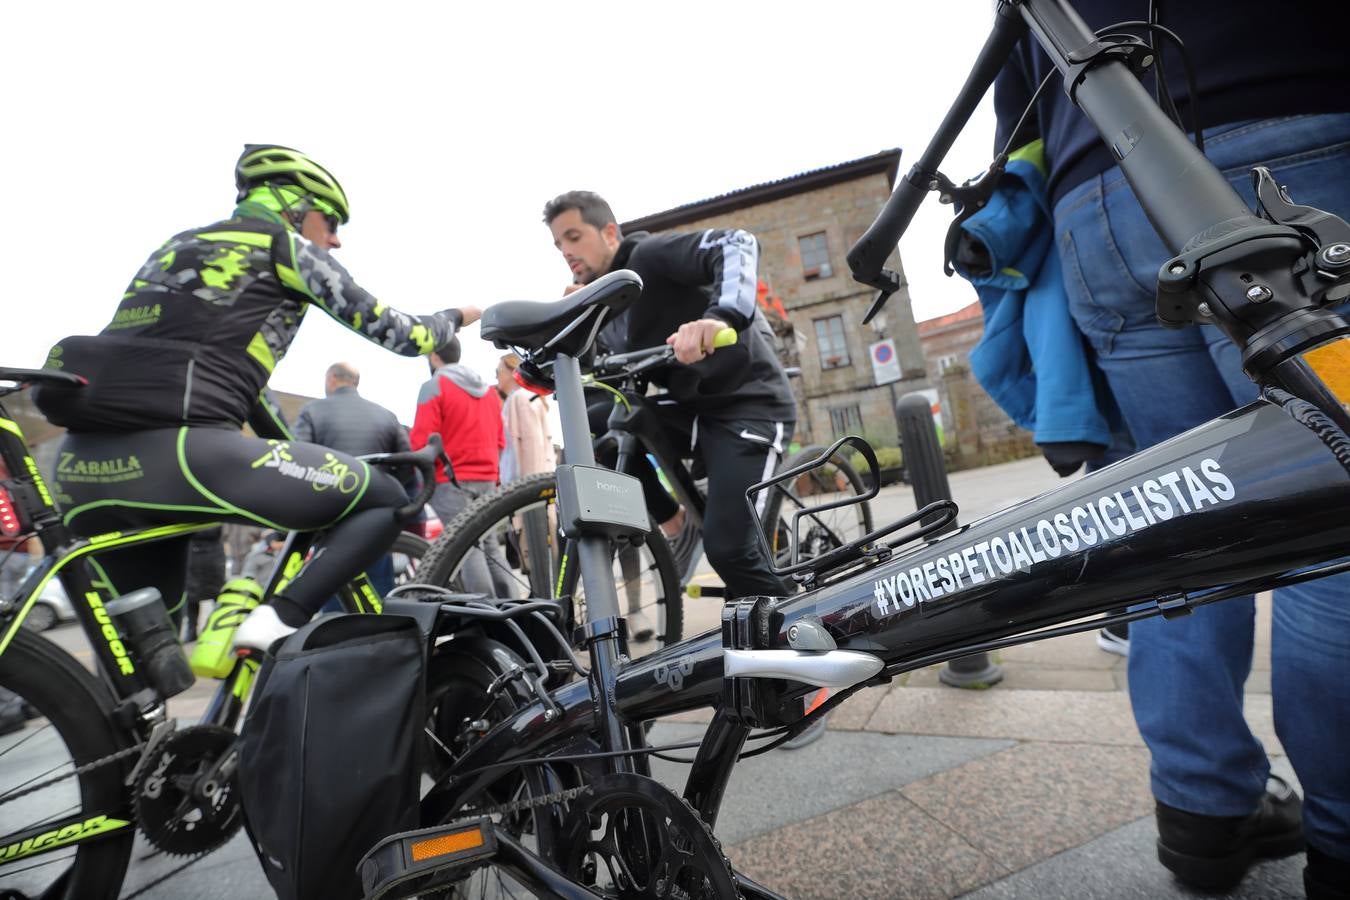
{"x":1187,"y":675}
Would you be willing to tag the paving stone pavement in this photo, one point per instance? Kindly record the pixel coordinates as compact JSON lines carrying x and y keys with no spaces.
{"x":1036,"y":788}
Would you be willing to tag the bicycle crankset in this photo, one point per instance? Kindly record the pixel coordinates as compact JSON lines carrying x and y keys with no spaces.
{"x":181,"y":809}
{"x":633,"y":839}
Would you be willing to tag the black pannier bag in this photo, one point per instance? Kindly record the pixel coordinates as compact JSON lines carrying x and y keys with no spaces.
{"x":329,"y":754}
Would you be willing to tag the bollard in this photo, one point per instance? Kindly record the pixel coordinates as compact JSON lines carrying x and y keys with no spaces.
{"x":928,"y":475}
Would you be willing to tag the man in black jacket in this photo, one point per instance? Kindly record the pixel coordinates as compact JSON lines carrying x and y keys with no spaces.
{"x":347,"y":422}
{"x":736,"y":412}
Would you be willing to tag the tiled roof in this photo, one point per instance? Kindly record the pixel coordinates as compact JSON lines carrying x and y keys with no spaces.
{"x":941,"y":323}
{"x":887,"y":161}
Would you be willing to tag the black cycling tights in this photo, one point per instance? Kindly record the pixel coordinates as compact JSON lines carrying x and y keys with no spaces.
{"x":112,"y":482}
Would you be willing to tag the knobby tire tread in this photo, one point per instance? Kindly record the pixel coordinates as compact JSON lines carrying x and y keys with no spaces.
{"x":461,"y":534}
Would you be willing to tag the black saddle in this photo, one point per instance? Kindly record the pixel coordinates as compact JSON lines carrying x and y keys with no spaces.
{"x":566,"y":326}
{"x":42,"y":376}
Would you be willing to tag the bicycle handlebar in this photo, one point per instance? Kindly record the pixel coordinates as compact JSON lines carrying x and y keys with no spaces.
{"x":635,"y":361}
{"x":423,"y":460}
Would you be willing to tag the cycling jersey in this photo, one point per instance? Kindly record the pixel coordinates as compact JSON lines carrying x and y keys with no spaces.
{"x":205,"y":321}
{"x":708,"y":274}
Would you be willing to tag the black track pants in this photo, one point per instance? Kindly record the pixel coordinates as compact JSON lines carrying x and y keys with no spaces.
{"x":112,"y":482}
{"x":735,"y":453}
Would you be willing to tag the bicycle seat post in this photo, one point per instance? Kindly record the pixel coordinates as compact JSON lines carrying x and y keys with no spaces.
{"x":602,"y":630}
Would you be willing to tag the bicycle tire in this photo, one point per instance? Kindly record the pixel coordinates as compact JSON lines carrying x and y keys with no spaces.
{"x":78,"y":710}
{"x":441,"y":565}
{"x":414,"y":547}
{"x":845,"y":523}
{"x":458,"y":683}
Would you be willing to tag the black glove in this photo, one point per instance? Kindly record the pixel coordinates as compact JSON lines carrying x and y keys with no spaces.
{"x":1066,"y":456}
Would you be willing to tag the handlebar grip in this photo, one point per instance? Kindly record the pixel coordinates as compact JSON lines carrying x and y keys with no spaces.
{"x":724,"y":338}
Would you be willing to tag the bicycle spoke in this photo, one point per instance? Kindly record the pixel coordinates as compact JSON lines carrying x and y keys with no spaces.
{"x":25,"y":739}
{"x":18,"y":788}
{"x":47,"y":860}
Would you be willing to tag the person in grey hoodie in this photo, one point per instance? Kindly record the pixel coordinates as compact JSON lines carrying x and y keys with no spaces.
{"x":460,"y":406}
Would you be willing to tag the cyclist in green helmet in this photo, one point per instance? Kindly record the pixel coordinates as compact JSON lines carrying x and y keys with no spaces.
{"x":155,"y":436}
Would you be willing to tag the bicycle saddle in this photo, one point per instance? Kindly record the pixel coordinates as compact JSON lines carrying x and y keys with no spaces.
{"x":567,"y":325}
{"x":39,"y":376}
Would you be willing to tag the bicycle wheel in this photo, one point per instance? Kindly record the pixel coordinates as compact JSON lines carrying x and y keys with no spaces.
{"x":408,"y":551}
{"x":507,"y":544}
{"x":68,"y":724}
{"x":467,"y":696}
{"x":820,"y":532}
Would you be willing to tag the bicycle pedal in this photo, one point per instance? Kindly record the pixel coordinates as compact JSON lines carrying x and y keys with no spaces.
{"x":417,"y":862}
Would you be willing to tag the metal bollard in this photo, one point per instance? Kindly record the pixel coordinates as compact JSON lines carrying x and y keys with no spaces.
{"x":928,"y":475}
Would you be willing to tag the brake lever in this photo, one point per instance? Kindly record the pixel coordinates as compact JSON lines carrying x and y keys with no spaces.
{"x":1321,"y":227}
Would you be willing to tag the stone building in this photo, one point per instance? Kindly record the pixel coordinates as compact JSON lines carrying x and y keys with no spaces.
{"x":979,"y":432}
{"x":805,"y":224}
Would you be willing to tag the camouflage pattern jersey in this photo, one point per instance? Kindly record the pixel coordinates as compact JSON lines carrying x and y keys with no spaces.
{"x":205,"y":321}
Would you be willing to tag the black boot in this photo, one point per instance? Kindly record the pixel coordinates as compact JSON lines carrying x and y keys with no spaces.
{"x":1326,"y":877}
{"x":1214,"y":852}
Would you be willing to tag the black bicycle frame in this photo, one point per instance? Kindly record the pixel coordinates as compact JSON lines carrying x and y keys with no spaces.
{"x":634,"y":426}
{"x":1247,"y":496}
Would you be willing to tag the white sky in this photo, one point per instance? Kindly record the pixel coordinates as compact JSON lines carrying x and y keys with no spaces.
{"x":449,"y":127}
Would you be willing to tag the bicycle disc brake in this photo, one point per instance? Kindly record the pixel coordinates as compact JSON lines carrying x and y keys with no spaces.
{"x":179,"y":810}
{"x":634,"y":839}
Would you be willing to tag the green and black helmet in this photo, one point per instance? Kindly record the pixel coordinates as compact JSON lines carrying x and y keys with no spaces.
{"x":263,"y":164}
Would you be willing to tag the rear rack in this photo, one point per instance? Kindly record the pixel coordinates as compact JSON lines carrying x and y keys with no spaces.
{"x":867,"y":549}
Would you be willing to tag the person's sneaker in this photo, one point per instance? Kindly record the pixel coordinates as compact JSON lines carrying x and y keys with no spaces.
{"x":1115,"y":639}
{"x":261,"y":630}
{"x":1325,"y":877}
{"x":640,"y":627}
{"x":1212,"y":853}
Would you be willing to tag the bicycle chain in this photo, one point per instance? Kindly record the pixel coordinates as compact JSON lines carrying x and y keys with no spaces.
{"x":79,"y":770}
{"x":514,"y":806}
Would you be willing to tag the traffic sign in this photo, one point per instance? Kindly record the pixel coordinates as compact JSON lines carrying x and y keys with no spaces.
{"x":885,"y":361}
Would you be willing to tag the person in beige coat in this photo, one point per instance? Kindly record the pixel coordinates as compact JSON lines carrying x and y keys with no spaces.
{"x":529,"y":446}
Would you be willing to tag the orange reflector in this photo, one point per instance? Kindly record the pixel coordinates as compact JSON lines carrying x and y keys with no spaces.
{"x":1331,"y":362}
{"x":821,"y":696}
{"x":447,"y":844}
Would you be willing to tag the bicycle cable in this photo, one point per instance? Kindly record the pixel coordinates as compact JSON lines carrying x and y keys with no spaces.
{"x":1188,"y":70}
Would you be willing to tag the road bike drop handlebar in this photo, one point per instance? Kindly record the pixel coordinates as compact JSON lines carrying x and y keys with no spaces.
{"x":424,"y":461}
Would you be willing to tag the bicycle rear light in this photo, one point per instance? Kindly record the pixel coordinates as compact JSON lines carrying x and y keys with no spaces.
{"x":10,"y":525}
{"x":533,"y":387}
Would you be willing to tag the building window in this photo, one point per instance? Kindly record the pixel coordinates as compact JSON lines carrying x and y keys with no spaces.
{"x":830,"y":340}
{"x":950,"y":361}
{"x":846,"y":420}
{"x":815,"y":256}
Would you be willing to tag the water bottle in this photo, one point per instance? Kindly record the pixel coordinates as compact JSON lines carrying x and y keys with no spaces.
{"x":146,"y":627}
{"x":213,"y":656}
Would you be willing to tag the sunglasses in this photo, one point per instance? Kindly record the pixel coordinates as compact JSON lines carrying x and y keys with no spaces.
{"x":332,"y":221}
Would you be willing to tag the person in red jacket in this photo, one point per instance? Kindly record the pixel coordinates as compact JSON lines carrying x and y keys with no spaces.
{"x":465,"y":411}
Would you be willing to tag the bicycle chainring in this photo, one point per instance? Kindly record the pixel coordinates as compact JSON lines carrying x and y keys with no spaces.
{"x":633,"y":839}
{"x":177,"y":811}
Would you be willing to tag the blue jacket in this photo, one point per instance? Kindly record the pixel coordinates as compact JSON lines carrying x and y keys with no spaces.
{"x":1031,"y":359}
